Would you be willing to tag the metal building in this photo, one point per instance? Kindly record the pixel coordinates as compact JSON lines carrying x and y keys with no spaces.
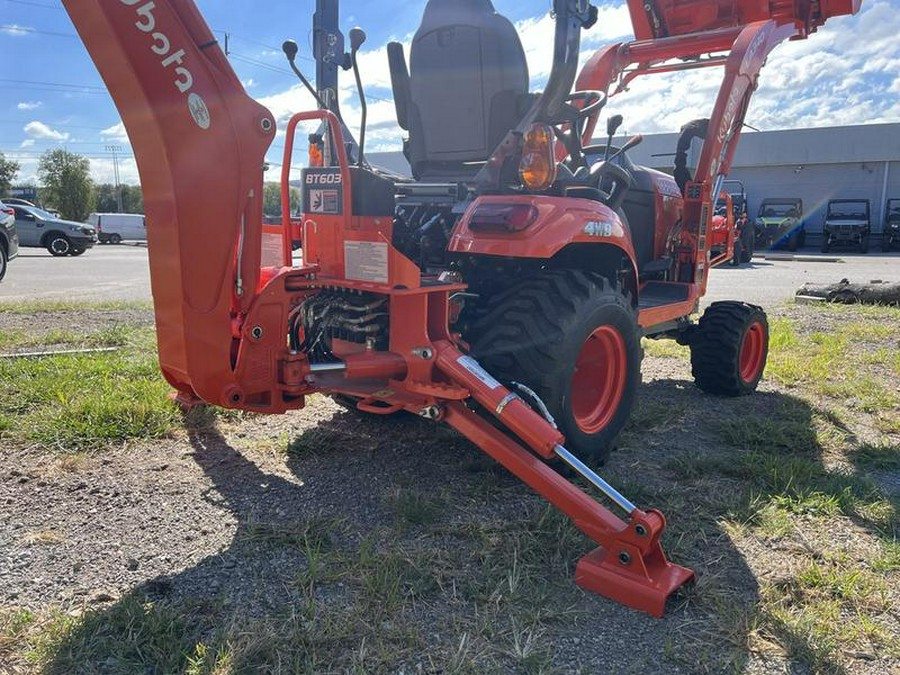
{"x":851,"y":162}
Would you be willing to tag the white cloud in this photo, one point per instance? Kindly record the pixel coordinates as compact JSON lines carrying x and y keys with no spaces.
{"x":832,"y":78}
{"x":15,"y":29}
{"x":846,"y":73}
{"x":27,"y":143}
{"x":103,"y":170}
{"x":29,"y":105}
{"x":115,"y":133}
{"x":40,"y":130}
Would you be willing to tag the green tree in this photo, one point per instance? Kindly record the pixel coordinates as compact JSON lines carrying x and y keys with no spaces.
{"x":132,"y":198}
{"x":67,"y":183}
{"x":272,"y":199}
{"x":105,"y":198}
{"x":8,"y":171}
{"x":106,"y":201}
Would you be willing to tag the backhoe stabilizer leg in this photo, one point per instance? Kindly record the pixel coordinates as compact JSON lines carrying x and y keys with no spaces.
{"x":629,"y":567}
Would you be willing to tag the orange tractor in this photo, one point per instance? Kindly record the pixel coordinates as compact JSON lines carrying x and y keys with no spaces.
{"x":504,"y":290}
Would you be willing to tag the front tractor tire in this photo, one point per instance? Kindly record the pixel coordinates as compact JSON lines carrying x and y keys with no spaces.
{"x":729,"y":348}
{"x":572,"y":338}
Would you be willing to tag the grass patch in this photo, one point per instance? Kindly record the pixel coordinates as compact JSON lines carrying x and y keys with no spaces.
{"x":884,"y":457}
{"x":826,"y":609}
{"x":666,"y":349}
{"x":50,"y":306}
{"x":301,"y":534}
{"x":837,"y":364}
{"x":114,"y":336}
{"x":81,"y":402}
{"x":132,"y":636}
{"x":647,"y":415}
{"x":413,"y":508}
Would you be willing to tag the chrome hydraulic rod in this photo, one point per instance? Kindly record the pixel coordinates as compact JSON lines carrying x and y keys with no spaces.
{"x":327,"y":367}
{"x":591,"y":477}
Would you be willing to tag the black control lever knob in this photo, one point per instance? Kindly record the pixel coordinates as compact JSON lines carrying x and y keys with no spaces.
{"x":290,"y":49}
{"x":357,"y":37}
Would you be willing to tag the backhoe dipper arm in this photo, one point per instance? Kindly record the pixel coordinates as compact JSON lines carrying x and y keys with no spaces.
{"x":200,"y":144}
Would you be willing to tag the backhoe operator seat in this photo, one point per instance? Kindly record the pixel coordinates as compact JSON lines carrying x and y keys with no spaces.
{"x":467,"y":82}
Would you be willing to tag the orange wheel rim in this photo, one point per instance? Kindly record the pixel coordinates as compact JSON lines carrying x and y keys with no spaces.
{"x":752,"y":350}
{"x":599,"y":380}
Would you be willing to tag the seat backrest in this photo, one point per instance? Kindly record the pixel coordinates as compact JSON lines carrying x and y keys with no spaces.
{"x":468,"y":76}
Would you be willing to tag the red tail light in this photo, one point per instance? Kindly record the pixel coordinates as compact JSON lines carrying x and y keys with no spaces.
{"x":9,"y":212}
{"x":507,"y":217}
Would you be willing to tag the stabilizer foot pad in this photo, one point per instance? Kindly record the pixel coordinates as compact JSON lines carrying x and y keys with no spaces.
{"x":644,"y":583}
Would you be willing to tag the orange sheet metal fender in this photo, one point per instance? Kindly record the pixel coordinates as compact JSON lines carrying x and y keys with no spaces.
{"x":551,"y":224}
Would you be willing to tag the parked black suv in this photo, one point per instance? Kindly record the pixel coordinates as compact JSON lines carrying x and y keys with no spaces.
{"x":9,"y":240}
{"x":847,"y":223}
{"x":890,"y":233}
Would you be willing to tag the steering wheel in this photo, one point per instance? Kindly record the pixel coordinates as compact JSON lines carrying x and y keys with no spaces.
{"x":594,"y":101}
{"x":574,"y":117}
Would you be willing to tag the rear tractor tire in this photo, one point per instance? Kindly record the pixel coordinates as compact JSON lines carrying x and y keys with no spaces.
{"x":749,"y":244}
{"x":572,"y":338}
{"x":729,"y":348}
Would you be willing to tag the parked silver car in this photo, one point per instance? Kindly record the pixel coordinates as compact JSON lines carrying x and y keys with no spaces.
{"x":61,"y":237}
{"x":9,"y":240}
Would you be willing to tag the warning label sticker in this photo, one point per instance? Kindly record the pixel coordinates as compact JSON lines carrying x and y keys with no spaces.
{"x":324,"y":201}
{"x":366,"y":261}
{"x":475,"y":368}
{"x":272,"y":243}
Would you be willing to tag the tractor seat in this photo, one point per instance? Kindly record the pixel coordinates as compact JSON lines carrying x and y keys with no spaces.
{"x":466,"y":87}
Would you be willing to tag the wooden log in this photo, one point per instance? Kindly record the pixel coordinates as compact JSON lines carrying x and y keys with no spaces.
{"x":872,"y":293}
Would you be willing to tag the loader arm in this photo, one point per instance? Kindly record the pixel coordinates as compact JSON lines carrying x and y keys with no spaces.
{"x":200,"y":144}
{"x":681,"y":35}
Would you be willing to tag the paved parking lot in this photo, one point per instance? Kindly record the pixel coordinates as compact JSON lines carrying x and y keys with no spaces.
{"x":122,"y":273}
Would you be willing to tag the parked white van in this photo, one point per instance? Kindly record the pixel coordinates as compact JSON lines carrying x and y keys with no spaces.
{"x":113,"y":228}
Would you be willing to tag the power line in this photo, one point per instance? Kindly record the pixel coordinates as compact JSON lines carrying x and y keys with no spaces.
{"x":66,"y":125}
{"x":34,"y":4}
{"x":230,"y":35}
{"x":55,"y":140}
{"x":276,"y":69}
{"x":77,"y":87}
{"x":15,"y":155}
{"x":13,"y":29}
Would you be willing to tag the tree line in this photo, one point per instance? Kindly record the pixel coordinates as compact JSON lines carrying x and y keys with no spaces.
{"x":67,"y":187}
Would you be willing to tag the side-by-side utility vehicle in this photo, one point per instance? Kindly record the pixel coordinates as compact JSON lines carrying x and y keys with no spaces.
{"x":890,"y":231}
{"x":779,"y":224}
{"x":847,"y":224}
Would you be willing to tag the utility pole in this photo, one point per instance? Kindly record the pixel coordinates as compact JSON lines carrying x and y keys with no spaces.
{"x":114,"y":149}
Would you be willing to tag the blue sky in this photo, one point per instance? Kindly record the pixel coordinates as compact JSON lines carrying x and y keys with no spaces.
{"x":51,"y":95}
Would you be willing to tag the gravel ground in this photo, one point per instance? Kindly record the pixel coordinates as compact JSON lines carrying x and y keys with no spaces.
{"x":185,"y":520}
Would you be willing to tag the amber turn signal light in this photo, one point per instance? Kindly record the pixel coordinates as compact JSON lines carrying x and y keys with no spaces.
{"x":316,"y":148}
{"x":537,"y":169}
